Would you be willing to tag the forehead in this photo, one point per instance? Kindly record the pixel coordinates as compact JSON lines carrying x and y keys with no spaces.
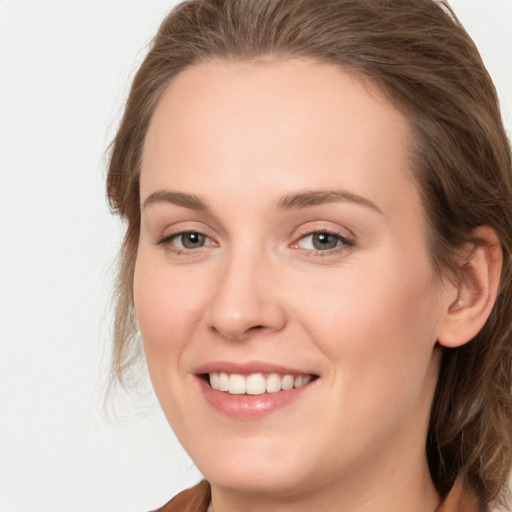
{"x":258,"y":118}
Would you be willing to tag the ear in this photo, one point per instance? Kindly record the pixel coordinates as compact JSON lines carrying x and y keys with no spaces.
{"x":470,"y":300}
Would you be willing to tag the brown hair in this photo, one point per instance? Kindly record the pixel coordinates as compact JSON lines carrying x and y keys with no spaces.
{"x":421,"y":57}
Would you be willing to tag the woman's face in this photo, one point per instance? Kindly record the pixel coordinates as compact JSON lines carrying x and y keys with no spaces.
{"x":283,"y":243}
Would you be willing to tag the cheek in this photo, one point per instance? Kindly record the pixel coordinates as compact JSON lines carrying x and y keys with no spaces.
{"x":386,"y":303}
{"x":167,"y":309}
{"x":378,"y":330}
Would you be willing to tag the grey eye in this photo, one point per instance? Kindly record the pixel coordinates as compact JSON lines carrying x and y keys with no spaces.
{"x":192,"y":240}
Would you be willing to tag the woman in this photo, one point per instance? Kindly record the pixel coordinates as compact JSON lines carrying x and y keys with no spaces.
{"x":318,"y":199}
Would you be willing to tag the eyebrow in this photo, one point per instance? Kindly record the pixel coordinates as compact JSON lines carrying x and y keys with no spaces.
{"x":317,"y":197}
{"x":190,"y":201}
{"x":288,"y":202}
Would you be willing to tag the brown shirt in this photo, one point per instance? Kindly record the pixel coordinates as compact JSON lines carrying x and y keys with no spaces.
{"x":197,"y":499}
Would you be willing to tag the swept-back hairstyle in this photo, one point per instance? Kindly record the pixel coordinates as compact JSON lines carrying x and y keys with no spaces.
{"x":420,"y":56}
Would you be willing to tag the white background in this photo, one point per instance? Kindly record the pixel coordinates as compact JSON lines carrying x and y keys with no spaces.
{"x":65,"y":67}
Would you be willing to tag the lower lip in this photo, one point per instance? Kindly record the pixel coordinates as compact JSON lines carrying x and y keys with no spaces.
{"x":250,"y":406}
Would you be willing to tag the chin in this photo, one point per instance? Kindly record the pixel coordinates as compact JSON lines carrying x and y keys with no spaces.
{"x":252,"y":469}
{"x":277,"y":481}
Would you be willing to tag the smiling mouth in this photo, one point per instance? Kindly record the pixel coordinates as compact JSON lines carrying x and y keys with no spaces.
{"x":256,"y":383}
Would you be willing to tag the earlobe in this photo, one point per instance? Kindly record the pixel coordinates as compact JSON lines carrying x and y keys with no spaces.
{"x":474,"y":295}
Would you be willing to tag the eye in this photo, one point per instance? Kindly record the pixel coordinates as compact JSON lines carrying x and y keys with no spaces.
{"x":190,"y":240}
{"x":323,"y":241}
{"x":185,"y":241}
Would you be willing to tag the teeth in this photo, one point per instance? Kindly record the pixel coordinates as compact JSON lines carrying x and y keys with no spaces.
{"x":287,"y":382}
{"x":273,"y":383}
{"x":214,"y":380}
{"x":236,"y":384}
{"x":223,"y":382}
{"x":256,"y":383}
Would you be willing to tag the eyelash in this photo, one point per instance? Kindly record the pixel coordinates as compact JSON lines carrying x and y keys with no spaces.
{"x":342,"y":243}
{"x":167,"y":243}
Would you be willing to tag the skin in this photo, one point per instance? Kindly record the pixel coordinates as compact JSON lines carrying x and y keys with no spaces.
{"x":365,"y":317}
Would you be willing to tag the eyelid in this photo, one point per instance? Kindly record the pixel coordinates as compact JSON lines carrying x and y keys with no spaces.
{"x":169,"y":226}
{"x":166,"y":240}
{"x":346,"y":239}
{"x":340,"y":238}
{"x":171,"y":236}
{"x":311,"y":228}
{"x":183,"y":233}
{"x":343,"y":239}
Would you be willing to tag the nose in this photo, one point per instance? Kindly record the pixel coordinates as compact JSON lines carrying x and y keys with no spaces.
{"x":245,"y":300}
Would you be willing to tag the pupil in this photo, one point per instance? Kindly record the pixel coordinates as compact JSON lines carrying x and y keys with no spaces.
{"x":323,"y":241}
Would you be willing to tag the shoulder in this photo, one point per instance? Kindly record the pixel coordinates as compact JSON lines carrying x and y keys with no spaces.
{"x":195,"y":499}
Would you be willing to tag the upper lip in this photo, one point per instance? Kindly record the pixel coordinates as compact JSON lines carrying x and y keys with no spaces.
{"x":247,"y":368}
